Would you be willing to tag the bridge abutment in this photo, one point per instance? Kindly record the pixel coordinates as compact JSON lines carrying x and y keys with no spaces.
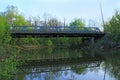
{"x":92,"y":40}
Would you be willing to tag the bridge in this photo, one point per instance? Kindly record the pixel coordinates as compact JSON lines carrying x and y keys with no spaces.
{"x":55,"y":31}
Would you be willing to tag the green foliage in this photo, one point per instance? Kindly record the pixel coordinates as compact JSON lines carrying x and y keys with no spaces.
{"x":49,"y":43}
{"x":2,"y":27}
{"x":8,"y":62}
{"x":7,"y":67}
{"x":113,"y":26}
{"x":10,"y":13}
{"x":8,"y":18}
{"x":4,"y":30}
{"x":20,"y":21}
{"x":53,"y":22}
{"x":77,"y":23}
{"x":14,"y":18}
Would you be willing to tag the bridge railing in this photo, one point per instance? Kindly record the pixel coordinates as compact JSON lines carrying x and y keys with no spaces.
{"x":54,"y":29}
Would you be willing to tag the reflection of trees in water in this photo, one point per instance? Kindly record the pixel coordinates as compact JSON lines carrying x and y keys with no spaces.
{"x":50,"y":53}
{"x":37,"y":73}
{"x":83,"y":68}
{"x":50,"y":72}
{"x":80,"y":71}
{"x":61,"y":62}
{"x":112,"y":64}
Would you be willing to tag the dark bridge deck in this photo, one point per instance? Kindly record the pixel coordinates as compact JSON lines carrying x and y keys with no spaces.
{"x":21,"y":35}
{"x":39,"y":31}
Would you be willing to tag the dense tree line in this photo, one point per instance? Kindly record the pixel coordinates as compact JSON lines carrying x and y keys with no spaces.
{"x":12,"y":17}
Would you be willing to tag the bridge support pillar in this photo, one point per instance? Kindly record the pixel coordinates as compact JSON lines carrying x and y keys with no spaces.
{"x":92,"y":40}
{"x":83,"y":40}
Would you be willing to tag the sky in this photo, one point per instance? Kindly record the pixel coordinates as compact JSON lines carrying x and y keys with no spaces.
{"x":68,"y":9}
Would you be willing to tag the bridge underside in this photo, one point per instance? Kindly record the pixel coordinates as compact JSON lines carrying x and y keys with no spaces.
{"x":41,"y":35}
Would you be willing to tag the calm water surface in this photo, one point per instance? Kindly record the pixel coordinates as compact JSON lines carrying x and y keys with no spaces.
{"x":68,"y":64}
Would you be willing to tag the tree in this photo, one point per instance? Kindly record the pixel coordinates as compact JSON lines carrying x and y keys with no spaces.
{"x":9,"y":18}
{"x":12,"y":13}
{"x":77,"y":23}
{"x":54,"y":22}
{"x":20,"y":21}
{"x":113,"y":26}
{"x":2,"y":27}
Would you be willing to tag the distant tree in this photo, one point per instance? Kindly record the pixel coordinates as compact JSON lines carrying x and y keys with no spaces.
{"x":54,"y":22}
{"x":10,"y":13}
{"x":36,"y":21}
{"x":13,"y":17}
{"x":77,"y":23}
{"x":20,"y":21}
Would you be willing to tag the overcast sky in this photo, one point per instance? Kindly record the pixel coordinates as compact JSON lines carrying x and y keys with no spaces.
{"x":85,"y":9}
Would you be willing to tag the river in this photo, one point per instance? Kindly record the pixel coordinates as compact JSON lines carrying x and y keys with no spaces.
{"x":67,"y":64}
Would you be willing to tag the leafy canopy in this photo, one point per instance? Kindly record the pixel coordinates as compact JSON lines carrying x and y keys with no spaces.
{"x":77,"y":23}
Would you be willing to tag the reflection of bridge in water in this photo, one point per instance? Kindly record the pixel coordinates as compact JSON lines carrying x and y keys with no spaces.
{"x":55,"y":31}
{"x":61,"y":64}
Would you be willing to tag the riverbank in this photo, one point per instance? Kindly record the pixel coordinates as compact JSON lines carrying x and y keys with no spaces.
{"x":105,"y":44}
